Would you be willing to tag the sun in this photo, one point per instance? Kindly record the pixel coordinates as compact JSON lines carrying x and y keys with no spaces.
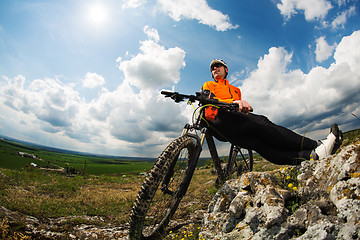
{"x":97,"y":14}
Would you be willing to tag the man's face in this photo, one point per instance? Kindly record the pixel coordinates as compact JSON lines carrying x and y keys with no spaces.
{"x":218,"y":71}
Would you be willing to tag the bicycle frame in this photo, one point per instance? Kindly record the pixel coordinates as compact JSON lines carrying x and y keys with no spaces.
{"x":199,"y":143}
{"x":198,"y":125}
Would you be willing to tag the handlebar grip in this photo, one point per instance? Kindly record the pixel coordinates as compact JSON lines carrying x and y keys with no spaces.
{"x":167,"y":93}
{"x":174,"y":96}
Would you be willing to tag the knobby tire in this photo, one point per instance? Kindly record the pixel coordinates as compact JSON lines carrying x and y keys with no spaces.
{"x":159,"y":195}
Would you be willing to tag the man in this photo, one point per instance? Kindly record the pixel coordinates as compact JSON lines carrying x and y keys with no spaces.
{"x":275,"y":143}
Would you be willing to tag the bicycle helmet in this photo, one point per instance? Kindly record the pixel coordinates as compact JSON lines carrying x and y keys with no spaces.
{"x":215,"y":61}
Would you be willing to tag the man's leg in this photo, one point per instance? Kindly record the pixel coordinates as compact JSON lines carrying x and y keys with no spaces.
{"x":239,"y":124}
{"x":270,"y":153}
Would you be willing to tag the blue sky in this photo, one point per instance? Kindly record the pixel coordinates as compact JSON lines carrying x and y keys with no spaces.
{"x":86,"y":75}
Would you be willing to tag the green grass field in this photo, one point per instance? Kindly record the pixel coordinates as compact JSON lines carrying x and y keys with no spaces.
{"x":96,"y":165}
{"x":9,"y":158}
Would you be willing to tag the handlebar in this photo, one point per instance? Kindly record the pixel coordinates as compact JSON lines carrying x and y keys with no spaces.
{"x":203,"y":100}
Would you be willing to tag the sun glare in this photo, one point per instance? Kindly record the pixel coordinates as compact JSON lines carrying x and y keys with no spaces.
{"x":97,"y":14}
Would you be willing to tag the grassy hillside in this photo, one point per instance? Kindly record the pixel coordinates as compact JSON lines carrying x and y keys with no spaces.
{"x":10,"y":158}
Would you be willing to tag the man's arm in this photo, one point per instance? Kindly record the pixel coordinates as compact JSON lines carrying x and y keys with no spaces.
{"x":244,"y":106}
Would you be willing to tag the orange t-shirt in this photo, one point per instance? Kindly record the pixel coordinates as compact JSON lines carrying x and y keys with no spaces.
{"x":221,"y":90}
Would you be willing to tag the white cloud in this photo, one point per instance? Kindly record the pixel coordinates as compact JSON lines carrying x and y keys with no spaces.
{"x":44,"y":107}
{"x":196,"y":9}
{"x":323,"y":50}
{"x":341,"y":2}
{"x":341,"y":19}
{"x":152,"y":33}
{"x":92,"y":80}
{"x":308,"y":101}
{"x":313,"y":9}
{"x":47,"y":99}
{"x":348,"y":52}
{"x":155,"y":66}
{"x":133,"y":3}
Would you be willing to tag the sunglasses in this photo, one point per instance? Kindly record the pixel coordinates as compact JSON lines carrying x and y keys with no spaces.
{"x":217,"y":65}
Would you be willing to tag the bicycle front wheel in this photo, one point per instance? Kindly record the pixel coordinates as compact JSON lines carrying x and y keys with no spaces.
{"x":161,"y":191}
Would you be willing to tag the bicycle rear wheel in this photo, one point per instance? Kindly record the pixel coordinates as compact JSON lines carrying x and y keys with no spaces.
{"x":162,"y":190}
{"x":239,"y":162}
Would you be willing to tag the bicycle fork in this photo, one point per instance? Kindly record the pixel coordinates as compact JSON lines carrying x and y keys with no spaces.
{"x":191,"y":164}
{"x":194,"y":160}
{"x":212,"y":149}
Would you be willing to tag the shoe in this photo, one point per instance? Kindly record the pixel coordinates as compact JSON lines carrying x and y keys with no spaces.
{"x":326,"y":146}
{"x":338,"y":142}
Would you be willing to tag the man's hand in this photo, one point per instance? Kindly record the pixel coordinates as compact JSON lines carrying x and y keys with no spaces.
{"x":244,"y":106}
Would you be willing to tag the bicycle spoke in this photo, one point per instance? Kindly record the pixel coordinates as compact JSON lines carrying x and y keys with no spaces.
{"x":239,"y":163}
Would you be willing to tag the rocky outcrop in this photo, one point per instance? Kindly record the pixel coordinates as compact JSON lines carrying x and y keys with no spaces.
{"x":316,"y":200}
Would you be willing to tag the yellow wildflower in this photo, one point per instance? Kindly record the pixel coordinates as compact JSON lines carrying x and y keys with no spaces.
{"x":295,"y":188}
{"x":290,"y":185}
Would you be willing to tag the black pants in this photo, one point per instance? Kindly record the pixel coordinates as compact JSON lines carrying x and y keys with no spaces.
{"x":277,"y":144}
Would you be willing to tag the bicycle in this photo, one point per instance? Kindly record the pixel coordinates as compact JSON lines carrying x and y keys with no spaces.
{"x":169,"y":178}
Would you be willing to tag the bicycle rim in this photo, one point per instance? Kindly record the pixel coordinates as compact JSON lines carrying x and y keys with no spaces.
{"x":159,"y":196}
